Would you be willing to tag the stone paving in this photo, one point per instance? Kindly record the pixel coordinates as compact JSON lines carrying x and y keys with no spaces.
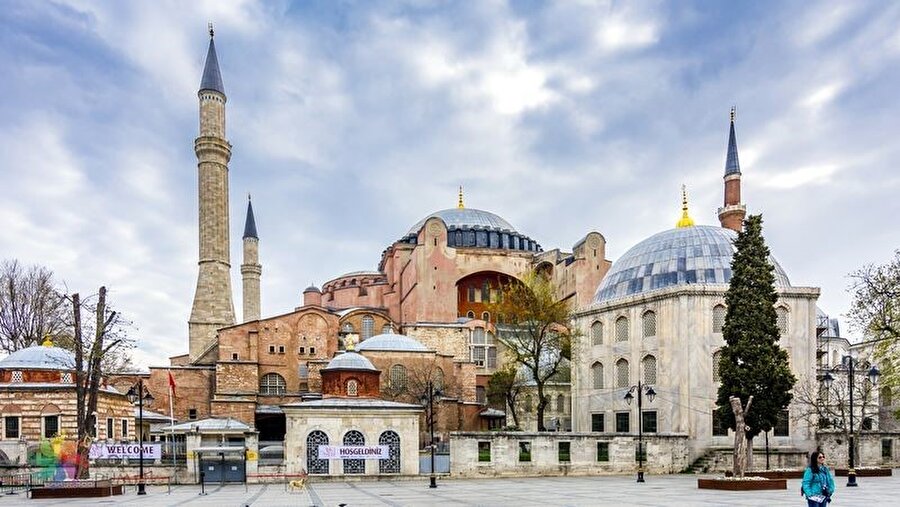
{"x":669,"y":490}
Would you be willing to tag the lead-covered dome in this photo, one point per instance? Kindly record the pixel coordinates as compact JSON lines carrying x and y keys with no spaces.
{"x":685,"y":255}
{"x":39,"y":357}
{"x":350,"y":361}
{"x":469,"y":227}
{"x":391,"y":342}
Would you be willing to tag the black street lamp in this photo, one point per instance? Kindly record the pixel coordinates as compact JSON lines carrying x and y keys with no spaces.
{"x":429,"y":397}
{"x":641,"y":391}
{"x":140,"y":396}
{"x":848,"y":364}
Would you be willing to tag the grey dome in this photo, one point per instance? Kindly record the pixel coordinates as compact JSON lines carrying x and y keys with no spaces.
{"x":475,"y":228}
{"x":311,"y":288}
{"x":350,"y":361}
{"x":39,"y":357}
{"x":686,"y":255}
{"x":392,"y":342}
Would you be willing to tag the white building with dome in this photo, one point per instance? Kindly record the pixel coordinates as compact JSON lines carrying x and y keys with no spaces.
{"x":657,"y":316}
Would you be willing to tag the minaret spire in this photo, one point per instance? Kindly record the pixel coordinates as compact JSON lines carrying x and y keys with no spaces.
{"x":686,"y":220}
{"x":251,"y":269}
{"x":459,"y":203}
{"x":213,"y":307}
{"x":732,"y":214}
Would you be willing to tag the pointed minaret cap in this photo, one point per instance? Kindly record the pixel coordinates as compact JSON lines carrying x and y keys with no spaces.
{"x":686,"y":220}
{"x":212,"y":78}
{"x":732,"y":166}
{"x":459,"y":203}
{"x":250,"y":224}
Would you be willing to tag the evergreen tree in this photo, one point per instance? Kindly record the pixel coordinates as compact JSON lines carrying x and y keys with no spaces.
{"x":752,"y":363}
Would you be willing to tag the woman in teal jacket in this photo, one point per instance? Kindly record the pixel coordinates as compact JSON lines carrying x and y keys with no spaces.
{"x":818,"y":485}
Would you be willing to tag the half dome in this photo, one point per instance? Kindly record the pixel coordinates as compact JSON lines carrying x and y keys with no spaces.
{"x":686,"y":255}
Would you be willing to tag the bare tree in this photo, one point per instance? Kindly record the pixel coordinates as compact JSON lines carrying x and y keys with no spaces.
{"x":93,"y":343}
{"x":30,"y":306}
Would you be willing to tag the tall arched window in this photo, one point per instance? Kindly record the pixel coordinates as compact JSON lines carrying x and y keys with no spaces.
{"x":368,"y":327}
{"x":623,"y":377}
{"x":648,"y":323}
{"x":314,"y":464}
{"x":486,"y":316}
{"x":561,"y":404}
{"x":782,"y":319}
{"x":485,"y":292}
{"x":398,"y":378}
{"x":718,"y":318}
{"x":387,"y":328}
{"x":597,"y":375}
{"x":648,"y":364}
{"x":621,"y":329}
{"x":354,"y":466}
{"x":392,"y":464}
{"x":437,"y":378}
{"x":352,"y":387}
{"x":347,"y":328}
{"x":885,"y":397}
{"x":272,"y":384}
{"x":482,"y":350}
{"x":597,"y":333}
{"x":717,"y":359}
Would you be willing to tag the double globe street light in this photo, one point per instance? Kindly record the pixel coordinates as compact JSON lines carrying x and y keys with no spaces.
{"x":848,"y":364}
{"x":430,"y":396}
{"x":141,"y":397}
{"x":641,"y":390}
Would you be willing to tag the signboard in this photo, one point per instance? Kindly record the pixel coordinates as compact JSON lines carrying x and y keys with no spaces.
{"x":354,"y":452}
{"x":108,"y":451}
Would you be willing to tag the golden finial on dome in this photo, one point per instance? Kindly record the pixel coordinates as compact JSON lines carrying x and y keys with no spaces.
{"x":686,"y":220}
{"x":460,"y":204}
{"x":48,"y":342}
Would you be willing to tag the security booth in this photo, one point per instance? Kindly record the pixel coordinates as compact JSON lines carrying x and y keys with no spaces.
{"x":220,"y":450}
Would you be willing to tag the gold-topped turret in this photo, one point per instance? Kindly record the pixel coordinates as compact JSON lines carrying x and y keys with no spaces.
{"x":48,"y":342}
{"x":686,"y":220}
{"x":459,"y":203}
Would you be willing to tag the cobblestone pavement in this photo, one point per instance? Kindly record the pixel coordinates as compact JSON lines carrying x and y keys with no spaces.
{"x":670,"y":490}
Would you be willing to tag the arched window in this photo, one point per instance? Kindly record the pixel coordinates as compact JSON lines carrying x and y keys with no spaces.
{"x":392,"y":464}
{"x":272,"y":384}
{"x":398,"y":378}
{"x":623,"y":378}
{"x":782,"y":319}
{"x":597,"y":375}
{"x":352,"y":387}
{"x":597,"y":333}
{"x":347,"y":328}
{"x":314,"y":464}
{"x":835,"y":358}
{"x":718,"y":318}
{"x":485,"y":292}
{"x":621,"y":329}
{"x":648,"y":364}
{"x":387,"y":329}
{"x":354,"y":466}
{"x":648,"y":323}
{"x":717,"y":359}
{"x":437,"y":378}
{"x":885,"y":397}
{"x":470,"y":314}
{"x":561,"y":404}
{"x":485,"y":316}
{"x":368,"y":327}
{"x":482,"y":350}
{"x":528,"y":405}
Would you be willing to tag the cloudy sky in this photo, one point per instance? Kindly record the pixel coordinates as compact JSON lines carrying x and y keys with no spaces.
{"x":353,"y":120}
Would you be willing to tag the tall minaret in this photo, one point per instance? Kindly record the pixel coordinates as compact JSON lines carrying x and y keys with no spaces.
{"x":213,"y":308}
{"x":731,"y":216}
{"x":251,"y":269}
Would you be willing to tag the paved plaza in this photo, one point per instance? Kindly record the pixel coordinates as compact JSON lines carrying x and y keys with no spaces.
{"x":669,"y":490}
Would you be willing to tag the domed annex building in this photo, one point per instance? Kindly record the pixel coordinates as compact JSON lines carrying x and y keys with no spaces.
{"x":657,"y":318}
{"x":38,"y":402}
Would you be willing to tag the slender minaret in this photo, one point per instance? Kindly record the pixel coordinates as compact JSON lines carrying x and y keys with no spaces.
{"x":731,"y":216}
{"x":251,"y":269}
{"x":213,"y":307}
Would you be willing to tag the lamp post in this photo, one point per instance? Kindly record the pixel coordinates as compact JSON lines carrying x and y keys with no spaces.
{"x":641,"y":389}
{"x":140,"y":396}
{"x":429,"y":397}
{"x":848,"y":364}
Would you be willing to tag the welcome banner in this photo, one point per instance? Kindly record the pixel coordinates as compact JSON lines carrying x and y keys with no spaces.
{"x":108,"y":451}
{"x":354,"y":452}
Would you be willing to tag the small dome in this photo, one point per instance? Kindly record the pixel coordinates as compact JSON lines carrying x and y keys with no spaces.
{"x":350,"y":361}
{"x":311,"y":288}
{"x":392,"y":342}
{"x":688,"y":255}
{"x":39,"y":357}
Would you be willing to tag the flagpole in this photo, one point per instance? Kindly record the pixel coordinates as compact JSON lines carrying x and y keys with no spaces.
{"x":172,"y":419}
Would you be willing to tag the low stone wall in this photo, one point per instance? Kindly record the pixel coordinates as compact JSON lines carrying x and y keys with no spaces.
{"x":126,"y":474}
{"x":869,"y":448}
{"x":664,"y":454}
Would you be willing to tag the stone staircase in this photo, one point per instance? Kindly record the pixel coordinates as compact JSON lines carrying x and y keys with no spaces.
{"x":718,"y":459}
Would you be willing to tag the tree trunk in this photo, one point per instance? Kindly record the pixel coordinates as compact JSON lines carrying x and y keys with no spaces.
{"x":749,"y":463}
{"x":740,"y":431}
{"x":540,"y":406}
{"x":511,"y":402}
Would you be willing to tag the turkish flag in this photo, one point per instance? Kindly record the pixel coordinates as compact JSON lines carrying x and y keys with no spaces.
{"x":172,"y":384}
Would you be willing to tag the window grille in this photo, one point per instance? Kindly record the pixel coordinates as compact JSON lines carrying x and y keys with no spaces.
{"x":782,"y":319}
{"x":717,"y":359}
{"x":597,"y":374}
{"x":16,"y":377}
{"x":648,"y":321}
{"x":66,"y":378}
{"x":368,"y":327}
{"x":354,"y":466}
{"x":272,"y":384}
{"x":718,"y":318}
{"x":392,"y":464}
{"x":352,"y":388}
{"x":314,"y":465}
{"x":622,"y":375}
{"x":597,"y":333}
{"x":398,"y":378}
{"x":621,"y":329}
{"x":649,"y":367}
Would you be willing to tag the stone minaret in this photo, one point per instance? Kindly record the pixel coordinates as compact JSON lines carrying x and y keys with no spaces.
{"x":731,"y":216}
{"x":251,"y":269}
{"x":213,"y":307}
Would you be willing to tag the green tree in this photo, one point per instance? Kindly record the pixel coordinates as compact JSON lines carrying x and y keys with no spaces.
{"x":537,"y":331}
{"x":875,"y":310}
{"x":752,"y":363}
{"x":503,"y":390}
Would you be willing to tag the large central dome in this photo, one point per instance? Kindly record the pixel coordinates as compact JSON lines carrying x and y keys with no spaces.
{"x":469,"y":227}
{"x":686,"y":255}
